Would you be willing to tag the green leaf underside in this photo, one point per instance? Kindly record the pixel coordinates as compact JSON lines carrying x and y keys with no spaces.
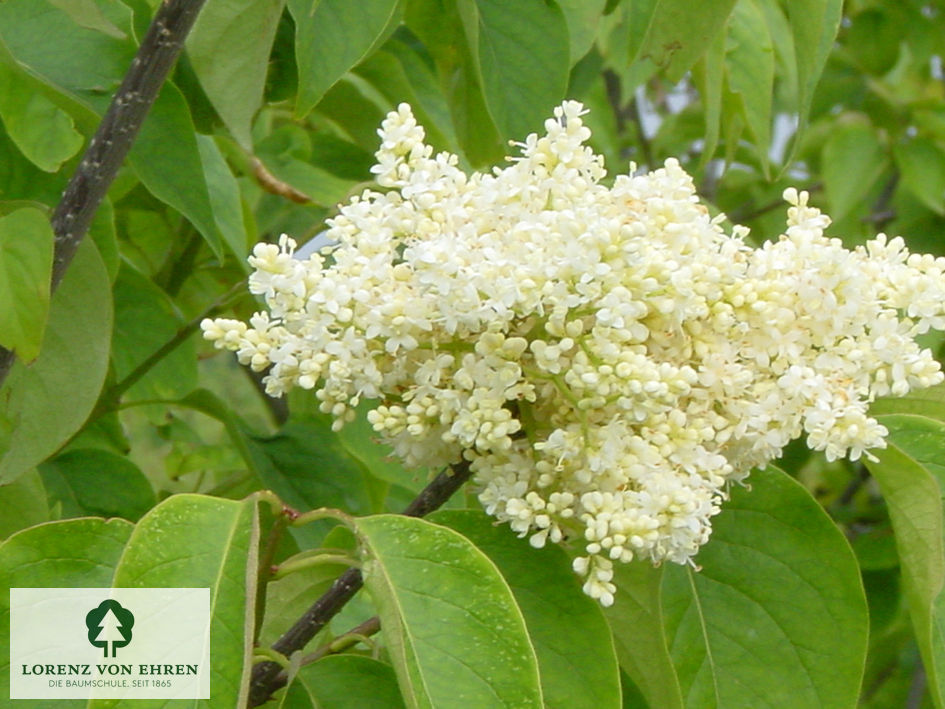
{"x":636,"y":620}
{"x":74,"y":358}
{"x":853,"y":159}
{"x":331,"y":37}
{"x":43,"y":132}
{"x":166,"y":158}
{"x":229,"y":48}
{"x":914,"y":499}
{"x":97,"y":482}
{"x":145,"y":320}
{"x":26,"y":255}
{"x":522,"y":53}
{"x":456,"y":637}
{"x":677,"y":32}
{"x":573,"y":644}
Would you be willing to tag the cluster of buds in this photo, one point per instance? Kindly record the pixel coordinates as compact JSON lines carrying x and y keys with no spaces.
{"x":609,"y":359}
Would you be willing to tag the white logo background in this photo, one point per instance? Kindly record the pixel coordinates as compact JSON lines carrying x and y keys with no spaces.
{"x":171,"y":636}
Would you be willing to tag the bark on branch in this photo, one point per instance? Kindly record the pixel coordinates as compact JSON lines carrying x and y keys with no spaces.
{"x":108,"y":148}
{"x":268,"y":676}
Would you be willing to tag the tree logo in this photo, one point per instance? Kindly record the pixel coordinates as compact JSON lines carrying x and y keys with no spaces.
{"x":109,"y":624}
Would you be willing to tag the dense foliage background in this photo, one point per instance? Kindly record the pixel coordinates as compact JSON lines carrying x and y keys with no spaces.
{"x":270,"y":119}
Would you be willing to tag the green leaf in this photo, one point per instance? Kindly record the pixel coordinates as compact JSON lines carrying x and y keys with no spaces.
{"x":924,"y":402}
{"x":636,"y":619}
{"x":401,"y":74}
{"x":351,"y":682}
{"x":145,"y":320}
{"x":83,"y":63}
{"x":332,"y":37}
{"x":710,"y":78}
{"x":193,"y":541}
{"x":229,"y":49}
{"x":79,"y":553}
{"x":674,"y":34}
{"x":852,"y":160}
{"x":97,"y":483}
{"x":22,"y":504}
{"x":307,"y":466}
{"x":86,"y":13}
{"x":288,"y":597}
{"x":749,"y":66}
{"x":26,"y":255}
{"x":522,"y":54}
{"x":102,"y":232}
{"x":914,"y":499}
{"x":70,"y":368}
{"x":582,"y":18}
{"x":225,"y":200}
{"x":573,"y":644}
{"x":923,"y":438}
{"x":454,"y":633}
{"x":922,"y":165}
{"x":42,"y":131}
{"x":166,"y":158}
{"x":814,"y":26}
{"x":777,"y":615}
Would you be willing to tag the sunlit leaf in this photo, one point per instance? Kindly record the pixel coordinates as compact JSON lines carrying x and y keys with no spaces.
{"x":454,"y":632}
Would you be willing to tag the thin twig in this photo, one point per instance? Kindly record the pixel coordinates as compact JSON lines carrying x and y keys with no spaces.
{"x":274,"y":185}
{"x":110,"y":396}
{"x":357,"y":634}
{"x":265,"y":674}
{"x":119,"y":127}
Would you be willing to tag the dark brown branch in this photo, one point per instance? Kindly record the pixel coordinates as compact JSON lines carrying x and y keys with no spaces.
{"x":266,"y":675}
{"x":108,"y":148}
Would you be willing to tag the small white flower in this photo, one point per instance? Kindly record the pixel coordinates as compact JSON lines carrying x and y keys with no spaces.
{"x":608,"y":359}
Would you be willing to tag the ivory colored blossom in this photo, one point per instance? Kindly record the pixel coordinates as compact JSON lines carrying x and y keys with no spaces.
{"x":609,"y":359}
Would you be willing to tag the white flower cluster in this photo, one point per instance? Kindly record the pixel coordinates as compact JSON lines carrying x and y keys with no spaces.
{"x":608,"y":359}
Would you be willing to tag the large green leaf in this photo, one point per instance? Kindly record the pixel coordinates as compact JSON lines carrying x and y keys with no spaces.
{"x":921,"y":163}
{"x":348,"y":682}
{"x":34,"y":420}
{"x":26,"y":255}
{"x":914,"y":499}
{"x":193,"y":541}
{"x":166,"y":158}
{"x":97,"y":482}
{"x":225,"y":200}
{"x":22,"y":504}
{"x":749,"y":66}
{"x":924,"y":402}
{"x":145,"y":320}
{"x":80,"y":553}
{"x":776,"y":616}
{"x":333,"y":36}
{"x":573,"y":644}
{"x":82,"y":62}
{"x":582,"y":17}
{"x":86,"y":13}
{"x":814,"y":25}
{"x":673,"y":34}
{"x":454,"y":632}
{"x":636,"y":619}
{"x":229,"y":49}
{"x":852,"y":160}
{"x":521,"y":50}
{"x":306,"y":465}
{"x":42,"y":131}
